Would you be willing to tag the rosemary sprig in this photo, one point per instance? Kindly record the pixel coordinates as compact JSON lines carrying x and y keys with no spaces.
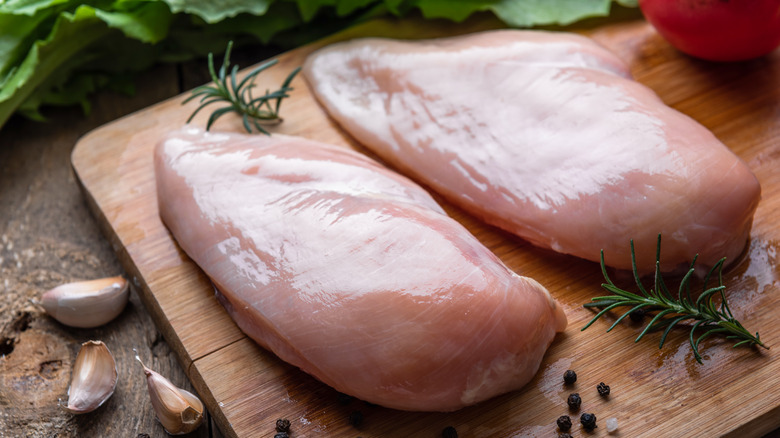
{"x":670,"y":311}
{"x":238,"y":95}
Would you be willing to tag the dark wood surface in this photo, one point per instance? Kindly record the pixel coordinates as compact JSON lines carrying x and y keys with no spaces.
{"x":48,"y":237}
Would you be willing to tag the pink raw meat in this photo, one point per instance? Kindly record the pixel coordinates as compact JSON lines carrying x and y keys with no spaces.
{"x":352,"y":272}
{"x":545,"y":135}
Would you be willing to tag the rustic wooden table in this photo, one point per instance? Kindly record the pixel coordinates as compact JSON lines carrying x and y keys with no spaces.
{"x":48,"y":237}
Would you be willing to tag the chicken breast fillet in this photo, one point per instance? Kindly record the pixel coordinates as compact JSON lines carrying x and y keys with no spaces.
{"x":545,"y":135}
{"x":351,"y":272}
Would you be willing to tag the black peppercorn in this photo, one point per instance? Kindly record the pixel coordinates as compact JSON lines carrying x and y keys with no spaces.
{"x":564,"y":423}
{"x":569,"y":377}
{"x":603,"y":389}
{"x":282,"y":435}
{"x":574,"y":401}
{"x":564,"y":435}
{"x":588,"y":421}
{"x":356,"y":418}
{"x":282,"y":425}
{"x":449,"y":432}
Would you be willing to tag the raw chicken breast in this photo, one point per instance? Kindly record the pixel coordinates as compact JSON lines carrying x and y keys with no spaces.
{"x":352,"y":272}
{"x":545,"y":135}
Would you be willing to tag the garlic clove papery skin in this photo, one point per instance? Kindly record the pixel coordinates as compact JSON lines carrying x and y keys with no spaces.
{"x":94,"y":378}
{"x":87,"y":304}
{"x":179,"y":411}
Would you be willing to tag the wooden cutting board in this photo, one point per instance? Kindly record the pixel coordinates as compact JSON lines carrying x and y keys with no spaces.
{"x":655,"y":393}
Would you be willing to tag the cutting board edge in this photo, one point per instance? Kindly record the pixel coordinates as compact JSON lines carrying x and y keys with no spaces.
{"x":136,"y":278}
{"x":757,"y":427}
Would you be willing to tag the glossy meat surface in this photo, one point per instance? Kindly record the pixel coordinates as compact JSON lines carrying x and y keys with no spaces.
{"x":352,"y":272}
{"x":547,"y":136}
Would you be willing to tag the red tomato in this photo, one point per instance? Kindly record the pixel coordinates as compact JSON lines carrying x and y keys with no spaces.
{"x":717,"y":30}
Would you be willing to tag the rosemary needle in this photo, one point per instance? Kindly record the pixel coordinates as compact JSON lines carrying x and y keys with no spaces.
{"x":709,"y":318}
{"x":238,"y":95}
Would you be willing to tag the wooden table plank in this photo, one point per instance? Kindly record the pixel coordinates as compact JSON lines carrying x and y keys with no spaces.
{"x":48,"y":237}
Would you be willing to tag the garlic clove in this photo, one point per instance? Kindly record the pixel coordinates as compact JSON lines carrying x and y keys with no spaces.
{"x":94,"y":378}
{"x":87,"y":304}
{"x":179,"y":411}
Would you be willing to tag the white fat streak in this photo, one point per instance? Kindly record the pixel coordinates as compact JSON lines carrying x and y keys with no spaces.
{"x":482,"y":380}
{"x":226,"y":195}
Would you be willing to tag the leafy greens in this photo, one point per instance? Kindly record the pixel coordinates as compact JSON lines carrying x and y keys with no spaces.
{"x":59,"y":51}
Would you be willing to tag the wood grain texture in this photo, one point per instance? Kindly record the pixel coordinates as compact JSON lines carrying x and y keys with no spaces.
{"x":654,"y":392}
{"x":48,"y":237}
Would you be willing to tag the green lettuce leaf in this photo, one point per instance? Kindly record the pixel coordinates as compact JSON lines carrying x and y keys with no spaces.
{"x":33,"y":7}
{"x":310,"y":8}
{"x":71,"y":33}
{"x":214,"y":11}
{"x":146,"y":21}
{"x":18,"y":32}
{"x":50,"y":61}
{"x":516,"y":13}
